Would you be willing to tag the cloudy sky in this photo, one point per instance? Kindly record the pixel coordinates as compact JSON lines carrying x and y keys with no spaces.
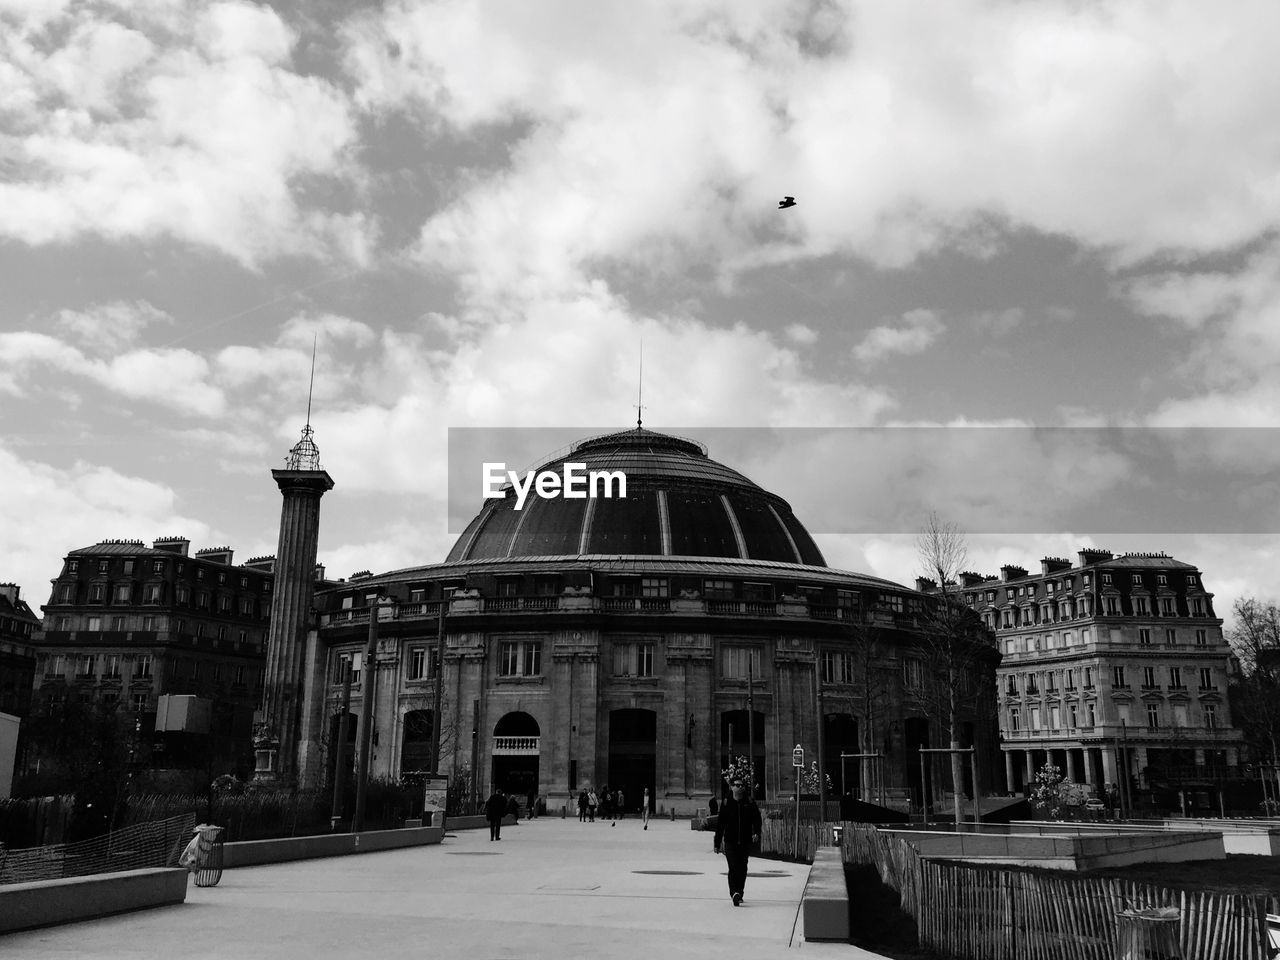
{"x":1009,"y":214}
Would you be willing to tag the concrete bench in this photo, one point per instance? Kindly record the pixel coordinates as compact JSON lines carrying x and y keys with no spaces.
{"x":248,"y":853}
{"x":825,"y":904}
{"x":41,"y":903}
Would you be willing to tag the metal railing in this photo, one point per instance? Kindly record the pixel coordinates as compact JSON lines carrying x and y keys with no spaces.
{"x":155,"y":844}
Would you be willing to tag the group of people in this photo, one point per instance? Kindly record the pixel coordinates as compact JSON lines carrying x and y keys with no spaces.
{"x":738,"y":823}
{"x":611,"y":805}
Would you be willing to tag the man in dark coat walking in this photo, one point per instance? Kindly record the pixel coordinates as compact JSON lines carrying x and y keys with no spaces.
{"x":495,"y":808}
{"x":737,"y":829}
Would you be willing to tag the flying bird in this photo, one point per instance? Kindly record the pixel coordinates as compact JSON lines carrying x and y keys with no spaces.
{"x":786,"y":202}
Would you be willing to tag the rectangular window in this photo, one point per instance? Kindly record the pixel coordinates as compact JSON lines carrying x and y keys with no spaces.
{"x":1136,"y":578}
{"x":217,"y":673}
{"x":509,"y":588}
{"x":1073,"y":715}
{"x":546,"y":586}
{"x":1175,"y":678}
{"x":224,"y":604}
{"x":183,"y":594}
{"x":242,"y":637}
{"x":94,"y":625}
{"x":62,"y":623}
{"x":1071,"y":678}
{"x":1091,"y":712}
{"x":654,"y":587}
{"x":1106,"y":579}
{"x":1148,"y":676}
{"x":837,"y":667}
{"x":1206,"y":678}
{"x":1202,"y":638}
{"x":202,"y":599}
{"x":1035,"y":718}
{"x":117,"y":624}
{"x":892,"y":602}
{"x":85,"y":665}
{"x":1210,"y":715}
{"x":157,"y":566}
{"x":1140,"y":606}
{"x":520,"y":659}
{"x":1144,"y":636}
{"x":246,"y":607}
{"x":1162,"y":579}
{"x":1112,"y":606}
{"x":717,"y":589}
{"x":142,"y":666}
{"x":417,"y":663}
{"x":913,"y":674}
{"x":195,"y":669}
{"x":222,"y":633}
{"x":139,"y":702}
{"x":1153,"y":715}
{"x":1197,"y":607}
{"x":1117,"y":677}
{"x":347,"y":663}
{"x":1088,"y":678}
{"x":1055,"y":717}
{"x":1166,"y":607}
{"x":736,"y":660}
{"x":151,"y":593}
{"x":1013,"y":719}
{"x":97,"y":592}
{"x":102,"y":566}
{"x":1171,"y":637}
{"x":237,"y":678}
{"x":123,"y":593}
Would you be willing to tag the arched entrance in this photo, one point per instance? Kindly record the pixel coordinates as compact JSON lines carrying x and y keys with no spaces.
{"x":415,"y":748}
{"x":633,"y":756}
{"x":840,"y":735}
{"x":516,"y":740}
{"x":735,"y":738}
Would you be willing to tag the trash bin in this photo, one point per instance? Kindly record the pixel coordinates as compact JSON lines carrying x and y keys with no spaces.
{"x":203,"y":855}
{"x":1148,"y":933}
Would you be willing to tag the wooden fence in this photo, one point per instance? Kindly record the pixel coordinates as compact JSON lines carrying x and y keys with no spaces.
{"x":986,"y":913}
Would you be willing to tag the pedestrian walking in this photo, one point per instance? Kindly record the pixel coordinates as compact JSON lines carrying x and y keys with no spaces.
{"x":495,"y":808}
{"x":513,"y":808}
{"x":582,"y":806}
{"x":533,"y":804}
{"x":644,"y":808}
{"x":619,"y":805}
{"x":593,"y":801}
{"x":606,"y":802}
{"x":737,"y":829}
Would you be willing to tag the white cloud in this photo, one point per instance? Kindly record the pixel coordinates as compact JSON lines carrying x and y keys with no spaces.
{"x":108,"y":327}
{"x":173,"y":378}
{"x":801,"y":333}
{"x":187,"y":124}
{"x":916,"y":331}
{"x":51,"y":510}
{"x":1128,"y":131}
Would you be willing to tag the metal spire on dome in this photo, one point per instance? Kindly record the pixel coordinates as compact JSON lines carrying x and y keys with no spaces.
{"x":305,"y":455}
{"x":640,"y":388}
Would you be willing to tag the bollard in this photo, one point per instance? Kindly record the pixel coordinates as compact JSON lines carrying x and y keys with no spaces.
{"x":564,"y":811}
{"x":673,"y":814}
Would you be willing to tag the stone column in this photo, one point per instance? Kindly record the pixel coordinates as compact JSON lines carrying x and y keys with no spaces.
{"x":276,"y":739}
{"x":1028,"y":767}
{"x":1073,"y":767}
{"x":1009,"y":781}
{"x":1109,"y":766}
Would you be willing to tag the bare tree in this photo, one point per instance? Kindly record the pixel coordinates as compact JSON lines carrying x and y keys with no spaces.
{"x":872,"y":674}
{"x":1255,"y":696}
{"x":953,"y":641}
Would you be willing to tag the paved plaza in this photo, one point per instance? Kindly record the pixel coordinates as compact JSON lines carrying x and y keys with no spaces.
{"x":549,"y":888}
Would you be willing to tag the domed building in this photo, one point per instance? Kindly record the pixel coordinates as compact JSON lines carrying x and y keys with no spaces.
{"x":631,"y":641}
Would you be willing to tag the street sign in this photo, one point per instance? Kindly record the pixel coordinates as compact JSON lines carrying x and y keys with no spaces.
{"x":797,"y":756}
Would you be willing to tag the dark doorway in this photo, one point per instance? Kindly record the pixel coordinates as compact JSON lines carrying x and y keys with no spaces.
{"x":348,"y":761}
{"x":516,"y":745}
{"x":917,"y":736}
{"x":734,"y":737}
{"x":840,"y":735}
{"x":633,"y":756}
{"x":415,"y":750}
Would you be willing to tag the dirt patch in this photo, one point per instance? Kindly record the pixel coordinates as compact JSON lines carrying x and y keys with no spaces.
{"x":876,"y":920}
